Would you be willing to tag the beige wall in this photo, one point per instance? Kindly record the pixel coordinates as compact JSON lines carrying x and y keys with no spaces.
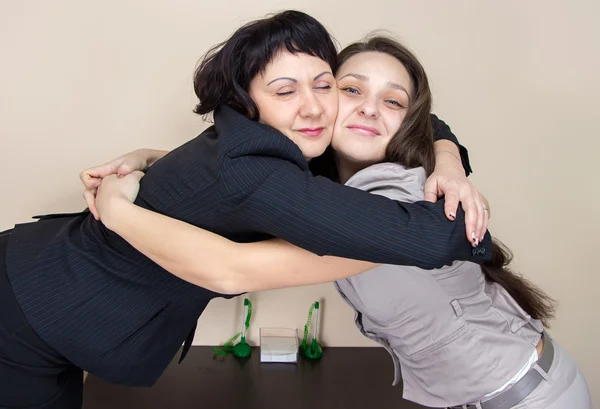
{"x":81,"y":82}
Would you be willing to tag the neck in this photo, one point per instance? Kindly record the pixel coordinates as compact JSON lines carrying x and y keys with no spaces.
{"x":347,"y":168}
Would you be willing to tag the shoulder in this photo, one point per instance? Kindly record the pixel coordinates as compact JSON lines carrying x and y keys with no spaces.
{"x":252,"y":153}
{"x":240,"y":136}
{"x":391,"y":180}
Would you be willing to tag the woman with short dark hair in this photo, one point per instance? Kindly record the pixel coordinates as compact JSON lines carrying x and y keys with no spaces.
{"x":74,"y":295}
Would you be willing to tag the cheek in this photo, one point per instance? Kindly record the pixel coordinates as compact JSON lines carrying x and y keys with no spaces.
{"x":337,"y":137}
{"x":380,"y":156}
{"x":393,"y":123}
{"x":330,"y":105}
{"x":264,"y":113}
{"x":400,"y":120}
{"x":345,"y":107}
{"x":275,"y":113}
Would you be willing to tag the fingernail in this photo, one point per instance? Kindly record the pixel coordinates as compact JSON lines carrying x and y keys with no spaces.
{"x":474,"y":239}
{"x":452,"y":215}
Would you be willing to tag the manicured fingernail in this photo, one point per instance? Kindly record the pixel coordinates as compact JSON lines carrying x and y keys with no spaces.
{"x":474,"y":239}
{"x":452,"y":215}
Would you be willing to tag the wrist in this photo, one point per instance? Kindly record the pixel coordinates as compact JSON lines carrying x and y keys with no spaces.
{"x":115,"y":210}
{"x":447,"y":162}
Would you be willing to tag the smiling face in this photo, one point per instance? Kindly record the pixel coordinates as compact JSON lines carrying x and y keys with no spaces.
{"x":375,"y":91}
{"x":296,"y":95}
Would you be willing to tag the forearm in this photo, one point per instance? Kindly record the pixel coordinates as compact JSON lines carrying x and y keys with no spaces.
{"x":194,"y":255}
{"x":152,"y":155}
{"x":447,"y":155}
{"x":443,"y":133}
{"x":214,"y":262}
{"x":330,"y":219}
{"x":272,"y":264}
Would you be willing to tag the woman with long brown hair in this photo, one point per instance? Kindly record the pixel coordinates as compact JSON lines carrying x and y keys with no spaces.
{"x":75,"y":296}
{"x":462,"y":335}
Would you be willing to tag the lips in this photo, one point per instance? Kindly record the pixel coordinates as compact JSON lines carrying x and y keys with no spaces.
{"x":312,"y":131}
{"x":364,"y":130}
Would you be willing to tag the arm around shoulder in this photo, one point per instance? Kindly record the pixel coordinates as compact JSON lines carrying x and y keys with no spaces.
{"x":331,"y":219}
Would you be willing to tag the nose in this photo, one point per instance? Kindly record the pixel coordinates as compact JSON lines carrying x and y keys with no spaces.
{"x":311,"y":105}
{"x":369,"y":108}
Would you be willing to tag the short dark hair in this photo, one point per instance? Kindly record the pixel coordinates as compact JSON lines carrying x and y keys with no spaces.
{"x":223,"y":77}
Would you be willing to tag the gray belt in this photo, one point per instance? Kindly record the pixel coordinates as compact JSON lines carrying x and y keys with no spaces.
{"x":520,"y":390}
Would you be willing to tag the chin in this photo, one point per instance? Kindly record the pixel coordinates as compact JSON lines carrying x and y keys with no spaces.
{"x":311,"y":152}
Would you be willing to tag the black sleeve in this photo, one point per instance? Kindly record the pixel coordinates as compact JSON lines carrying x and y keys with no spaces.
{"x":327,"y":218}
{"x":442,"y":131}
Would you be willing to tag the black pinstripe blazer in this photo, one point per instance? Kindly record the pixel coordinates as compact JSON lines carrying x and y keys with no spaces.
{"x":112,"y":311}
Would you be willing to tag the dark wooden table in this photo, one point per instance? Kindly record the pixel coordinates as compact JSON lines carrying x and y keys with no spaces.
{"x":344,"y":378}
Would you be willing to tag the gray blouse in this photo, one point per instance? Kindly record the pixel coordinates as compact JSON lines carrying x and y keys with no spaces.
{"x":453,"y":336}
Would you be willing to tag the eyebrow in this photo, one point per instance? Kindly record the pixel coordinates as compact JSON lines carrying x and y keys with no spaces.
{"x":388,"y":84}
{"x":296,"y":81}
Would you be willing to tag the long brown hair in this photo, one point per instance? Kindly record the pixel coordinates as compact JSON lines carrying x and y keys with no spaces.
{"x":412,"y":146}
{"x":531,"y":298}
